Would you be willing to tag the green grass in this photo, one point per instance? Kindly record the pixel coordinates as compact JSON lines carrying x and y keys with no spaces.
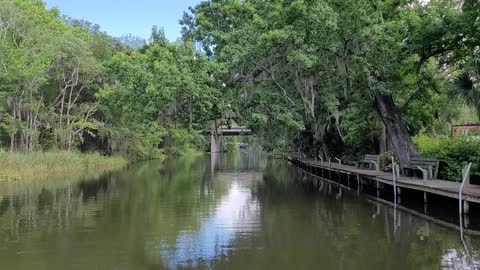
{"x":16,"y":166}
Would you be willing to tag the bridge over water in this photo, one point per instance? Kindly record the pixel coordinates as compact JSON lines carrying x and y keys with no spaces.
{"x":225,"y":131}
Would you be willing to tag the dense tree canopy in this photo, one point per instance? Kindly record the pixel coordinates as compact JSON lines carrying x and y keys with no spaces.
{"x":337,"y":71}
{"x":65,"y":84}
{"x":332,"y":76}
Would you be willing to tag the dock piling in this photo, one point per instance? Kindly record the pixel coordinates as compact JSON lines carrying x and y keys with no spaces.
{"x":358,"y":183}
{"x":466,"y":207}
{"x":378,"y":188}
{"x":425,"y":202}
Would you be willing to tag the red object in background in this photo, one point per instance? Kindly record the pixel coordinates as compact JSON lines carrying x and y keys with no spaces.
{"x":466,"y":127}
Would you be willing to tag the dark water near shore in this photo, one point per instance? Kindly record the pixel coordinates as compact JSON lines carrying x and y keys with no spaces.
{"x":235,"y":211}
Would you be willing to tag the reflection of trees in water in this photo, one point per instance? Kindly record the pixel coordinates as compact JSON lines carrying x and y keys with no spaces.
{"x":118,"y":220}
{"x":91,"y":189}
{"x":343,"y":231}
{"x":37,"y":209}
{"x":242,"y":161}
{"x":125,"y":209}
{"x":26,"y":205}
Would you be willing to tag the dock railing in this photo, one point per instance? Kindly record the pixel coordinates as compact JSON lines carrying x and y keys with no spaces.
{"x":465,"y":179}
{"x":339,"y":161}
{"x":394,"y":168}
{"x":321,"y":159}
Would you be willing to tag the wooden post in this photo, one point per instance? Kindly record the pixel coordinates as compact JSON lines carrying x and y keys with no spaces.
{"x":399,"y":194}
{"x":358,"y":183}
{"x":378,"y":188}
{"x":466,"y":221}
{"x":466,"y":207}
{"x":425,"y":202}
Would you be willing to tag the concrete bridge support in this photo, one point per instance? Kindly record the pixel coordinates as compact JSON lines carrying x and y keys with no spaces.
{"x":215,"y":145}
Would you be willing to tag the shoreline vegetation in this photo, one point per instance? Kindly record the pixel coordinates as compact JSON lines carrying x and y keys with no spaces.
{"x":20,"y":166}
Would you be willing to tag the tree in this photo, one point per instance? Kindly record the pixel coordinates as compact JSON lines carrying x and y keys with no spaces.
{"x":132,"y":41}
{"x":322,"y":57}
{"x":51,"y":69}
{"x":163,"y":88}
{"x":27,"y":54}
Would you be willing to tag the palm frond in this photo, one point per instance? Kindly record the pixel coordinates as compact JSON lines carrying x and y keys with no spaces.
{"x":466,"y":87}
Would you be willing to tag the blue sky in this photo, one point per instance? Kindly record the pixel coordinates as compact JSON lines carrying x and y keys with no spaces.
{"x":118,"y":17}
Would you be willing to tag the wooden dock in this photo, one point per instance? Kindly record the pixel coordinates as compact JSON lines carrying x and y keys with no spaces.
{"x":335,"y":171}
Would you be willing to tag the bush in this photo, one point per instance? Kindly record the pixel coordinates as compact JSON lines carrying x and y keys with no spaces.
{"x":456,"y":153}
{"x":183,"y":141}
{"x":230,"y":144}
{"x":137,"y":142}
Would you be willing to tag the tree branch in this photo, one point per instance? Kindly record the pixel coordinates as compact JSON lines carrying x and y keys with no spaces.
{"x":419,"y":89}
{"x":285,"y":95}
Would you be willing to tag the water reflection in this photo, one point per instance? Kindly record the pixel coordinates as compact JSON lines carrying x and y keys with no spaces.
{"x":249,"y":212}
{"x":237,"y":215}
{"x":453,"y":259}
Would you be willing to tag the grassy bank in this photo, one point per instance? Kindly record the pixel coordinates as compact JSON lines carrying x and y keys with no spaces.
{"x":16,"y":166}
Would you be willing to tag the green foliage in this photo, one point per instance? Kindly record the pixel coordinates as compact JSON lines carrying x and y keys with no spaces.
{"x":136,"y":142}
{"x":164,"y":85}
{"x":321,"y":65}
{"x":64,"y":84}
{"x":131,"y":41}
{"x":304,"y":75}
{"x":467,"y":86}
{"x":183,"y":141}
{"x":456,"y":153}
{"x":51,"y":67}
{"x":230,"y":144}
{"x":362,"y":128}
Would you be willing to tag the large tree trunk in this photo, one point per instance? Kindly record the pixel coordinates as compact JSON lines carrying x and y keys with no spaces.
{"x":383,"y":146}
{"x":396,"y":129}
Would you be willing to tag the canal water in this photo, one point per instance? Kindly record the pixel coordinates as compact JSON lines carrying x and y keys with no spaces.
{"x":231,"y":211}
